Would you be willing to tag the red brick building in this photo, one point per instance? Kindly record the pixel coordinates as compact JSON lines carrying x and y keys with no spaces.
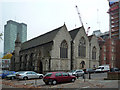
{"x":110,"y":52}
{"x":117,"y":63}
{"x":110,"y":46}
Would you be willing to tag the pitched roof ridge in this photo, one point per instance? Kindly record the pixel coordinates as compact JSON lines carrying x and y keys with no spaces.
{"x":44,"y":34}
{"x":75,"y":29}
{"x":74,"y":32}
{"x":42,"y":39}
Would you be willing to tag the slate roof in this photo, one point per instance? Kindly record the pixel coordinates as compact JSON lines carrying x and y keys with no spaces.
{"x":42,"y":39}
{"x":74,"y":32}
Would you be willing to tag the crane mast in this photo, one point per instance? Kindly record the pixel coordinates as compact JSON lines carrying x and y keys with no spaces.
{"x":81,"y":19}
{"x":79,"y":15}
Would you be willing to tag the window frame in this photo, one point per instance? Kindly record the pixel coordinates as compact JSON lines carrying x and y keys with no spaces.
{"x":58,"y":74}
{"x":94,"y":52}
{"x":64,"y":49}
{"x":82,"y":48}
{"x":65,"y":74}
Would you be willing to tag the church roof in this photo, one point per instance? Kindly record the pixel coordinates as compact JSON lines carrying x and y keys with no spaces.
{"x":74,"y":32}
{"x":40,"y":40}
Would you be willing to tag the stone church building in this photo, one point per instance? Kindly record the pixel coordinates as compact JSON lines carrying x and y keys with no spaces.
{"x":57,"y":50}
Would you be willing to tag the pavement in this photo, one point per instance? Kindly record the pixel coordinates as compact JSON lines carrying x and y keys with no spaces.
{"x":79,"y":83}
{"x":96,"y":81}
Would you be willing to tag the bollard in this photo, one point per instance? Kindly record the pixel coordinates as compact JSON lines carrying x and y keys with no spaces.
{"x":25,"y":82}
{"x":35,"y":83}
{"x":77,"y":76}
{"x":89,"y":75}
{"x":84,"y":77}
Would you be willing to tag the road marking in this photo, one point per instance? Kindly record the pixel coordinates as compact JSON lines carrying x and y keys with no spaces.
{"x":107,"y":81}
{"x":86,"y":87}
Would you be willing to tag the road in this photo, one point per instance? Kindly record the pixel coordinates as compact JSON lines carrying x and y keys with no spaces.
{"x":96,"y":81}
{"x":97,"y":76}
{"x":6,"y":86}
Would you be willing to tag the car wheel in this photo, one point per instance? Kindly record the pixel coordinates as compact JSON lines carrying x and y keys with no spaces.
{"x":12,"y":78}
{"x":25,"y":78}
{"x":82,"y":75}
{"x":40,"y":77}
{"x":49,"y":82}
{"x":72,"y":79}
{"x":54,"y":82}
{"x":46,"y":83}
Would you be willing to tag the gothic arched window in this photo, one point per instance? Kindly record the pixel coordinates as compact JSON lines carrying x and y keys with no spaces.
{"x":82,"y":48}
{"x":82,"y":64}
{"x":31,"y":62}
{"x":64,"y":49}
{"x":94,"y":53}
{"x":24,"y":62}
{"x":20,"y":62}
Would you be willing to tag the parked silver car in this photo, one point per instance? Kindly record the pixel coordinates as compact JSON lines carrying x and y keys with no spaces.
{"x":77,"y":73}
{"x":28,"y":75}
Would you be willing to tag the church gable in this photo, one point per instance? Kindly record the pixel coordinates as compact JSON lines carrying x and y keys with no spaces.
{"x":61,"y":50}
{"x":94,"y":41}
{"x":94,"y":45}
{"x":61,"y":36}
{"x":81,"y":34}
{"x":94,"y":51}
{"x":81,"y":48}
{"x":81,"y":37}
{"x":74,"y":32}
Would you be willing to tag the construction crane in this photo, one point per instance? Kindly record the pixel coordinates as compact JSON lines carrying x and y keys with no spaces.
{"x":79,"y":15}
{"x":88,"y":29}
{"x":81,"y":20}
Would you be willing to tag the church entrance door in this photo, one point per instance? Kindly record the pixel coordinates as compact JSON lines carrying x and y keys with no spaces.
{"x":40,"y":67}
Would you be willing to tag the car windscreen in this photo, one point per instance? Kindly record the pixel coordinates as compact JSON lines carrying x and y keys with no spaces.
{"x":89,"y":69}
{"x":20,"y":72}
{"x":48,"y":74}
{"x":72,"y":71}
{"x":16,"y":73}
{"x":79,"y":71}
{"x":11,"y":72}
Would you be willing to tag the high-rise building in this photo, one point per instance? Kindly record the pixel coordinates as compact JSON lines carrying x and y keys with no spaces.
{"x":114,"y":14}
{"x":1,"y":55}
{"x":10,"y":33}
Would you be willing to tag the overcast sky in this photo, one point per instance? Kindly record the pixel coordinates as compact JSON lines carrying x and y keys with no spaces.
{"x":42,"y":16}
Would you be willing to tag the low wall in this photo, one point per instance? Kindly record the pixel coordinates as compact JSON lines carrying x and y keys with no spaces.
{"x":113,"y":75}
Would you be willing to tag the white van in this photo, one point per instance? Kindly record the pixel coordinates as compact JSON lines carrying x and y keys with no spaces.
{"x":103,"y":68}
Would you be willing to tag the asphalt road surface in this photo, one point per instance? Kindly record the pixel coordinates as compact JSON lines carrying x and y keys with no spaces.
{"x":96,"y":81}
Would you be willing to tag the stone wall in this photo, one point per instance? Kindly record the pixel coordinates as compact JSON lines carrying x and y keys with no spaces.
{"x":57,"y":63}
{"x":113,"y":75}
{"x":31,"y":59}
{"x":60,"y":64}
{"x":94,"y":43}
{"x":77,"y":60}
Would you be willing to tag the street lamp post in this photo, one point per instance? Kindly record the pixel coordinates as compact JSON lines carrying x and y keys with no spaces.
{"x":89,"y":59}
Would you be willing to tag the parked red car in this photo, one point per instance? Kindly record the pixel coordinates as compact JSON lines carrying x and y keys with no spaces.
{"x":58,"y":77}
